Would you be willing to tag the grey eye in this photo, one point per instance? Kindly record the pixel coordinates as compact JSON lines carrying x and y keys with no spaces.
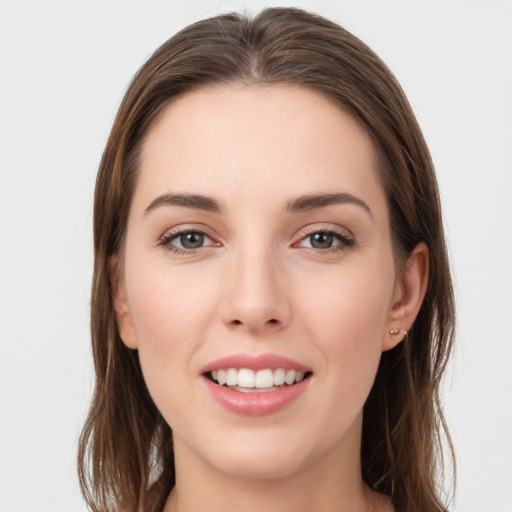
{"x":321,"y":240}
{"x":191,"y":240}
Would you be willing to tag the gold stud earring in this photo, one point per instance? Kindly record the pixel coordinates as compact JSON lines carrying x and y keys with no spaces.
{"x":395,"y":331}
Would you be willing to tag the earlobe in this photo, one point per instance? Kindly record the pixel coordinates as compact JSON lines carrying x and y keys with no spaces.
{"x":122,"y":307}
{"x":408,"y":297}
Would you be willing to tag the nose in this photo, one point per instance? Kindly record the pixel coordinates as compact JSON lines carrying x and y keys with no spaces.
{"x":256,"y":298}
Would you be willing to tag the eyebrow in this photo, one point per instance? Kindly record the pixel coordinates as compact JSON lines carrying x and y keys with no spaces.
{"x":302,"y":203}
{"x":313,"y":202}
{"x":196,"y":201}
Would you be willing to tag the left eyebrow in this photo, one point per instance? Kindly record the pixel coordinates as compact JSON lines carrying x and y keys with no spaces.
{"x":313,"y":202}
{"x":195,"y":201}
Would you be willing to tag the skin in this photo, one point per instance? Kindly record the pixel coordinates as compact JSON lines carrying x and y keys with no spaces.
{"x":258,"y":286}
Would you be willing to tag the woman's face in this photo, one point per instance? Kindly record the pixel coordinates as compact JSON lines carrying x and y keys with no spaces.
{"x":257,"y":250}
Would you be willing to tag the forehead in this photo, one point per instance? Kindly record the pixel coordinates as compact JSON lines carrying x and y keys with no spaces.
{"x":256,"y":139}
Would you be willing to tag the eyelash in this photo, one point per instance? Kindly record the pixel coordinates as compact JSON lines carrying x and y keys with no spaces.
{"x":345,"y":241}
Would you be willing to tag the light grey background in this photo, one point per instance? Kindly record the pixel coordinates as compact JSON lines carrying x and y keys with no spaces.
{"x":63,"y":69}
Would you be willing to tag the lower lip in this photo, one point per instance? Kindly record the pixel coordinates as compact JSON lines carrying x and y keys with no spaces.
{"x":256,"y":404}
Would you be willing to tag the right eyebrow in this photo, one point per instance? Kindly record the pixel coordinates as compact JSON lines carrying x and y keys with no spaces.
{"x":196,"y":201}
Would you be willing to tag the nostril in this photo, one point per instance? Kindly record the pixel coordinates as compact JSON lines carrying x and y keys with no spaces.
{"x":236,"y":321}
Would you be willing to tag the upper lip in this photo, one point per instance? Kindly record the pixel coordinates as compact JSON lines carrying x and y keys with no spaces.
{"x":261,"y":362}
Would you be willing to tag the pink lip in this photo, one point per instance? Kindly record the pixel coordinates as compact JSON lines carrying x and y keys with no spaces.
{"x":255,"y":404}
{"x":272,"y":361}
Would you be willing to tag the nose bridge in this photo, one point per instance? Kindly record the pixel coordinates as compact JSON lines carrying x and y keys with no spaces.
{"x":255,"y":295}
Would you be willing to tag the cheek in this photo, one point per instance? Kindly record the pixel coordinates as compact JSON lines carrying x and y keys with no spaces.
{"x":169,"y":304}
{"x":346,"y":314}
{"x":171,"y":311}
{"x":350,"y":305}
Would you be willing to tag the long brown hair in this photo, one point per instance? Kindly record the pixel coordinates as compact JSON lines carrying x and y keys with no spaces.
{"x":125,"y":452}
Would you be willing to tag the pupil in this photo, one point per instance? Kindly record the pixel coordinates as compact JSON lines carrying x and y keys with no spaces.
{"x":192,"y":240}
{"x":321,"y":240}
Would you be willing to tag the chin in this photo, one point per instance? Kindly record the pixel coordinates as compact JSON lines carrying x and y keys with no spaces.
{"x":259,"y":466}
{"x":262,"y":456}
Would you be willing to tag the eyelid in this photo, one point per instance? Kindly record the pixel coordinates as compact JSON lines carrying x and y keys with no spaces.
{"x":324,"y":228}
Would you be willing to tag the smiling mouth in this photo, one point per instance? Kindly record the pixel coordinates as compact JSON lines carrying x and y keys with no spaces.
{"x":246,"y":380}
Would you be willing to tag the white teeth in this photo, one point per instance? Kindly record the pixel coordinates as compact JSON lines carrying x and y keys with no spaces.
{"x":232,"y":377}
{"x":279,"y":375}
{"x":246,"y":378}
{"x":261,"y":379}
{"x":290,"y":377}
{"x":264,"y":379}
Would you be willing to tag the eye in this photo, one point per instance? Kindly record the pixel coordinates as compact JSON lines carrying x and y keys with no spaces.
{"x":326,"y":240}
{"x":191,"y":240}
{"x":186,"y":241}
{"x":321,"y":240}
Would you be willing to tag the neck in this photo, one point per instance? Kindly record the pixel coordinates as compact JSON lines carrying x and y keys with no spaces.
{"x":284,"y":495}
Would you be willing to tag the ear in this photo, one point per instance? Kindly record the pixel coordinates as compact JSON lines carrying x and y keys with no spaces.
{"x":121,"y":306}
{"x":408,"y":295}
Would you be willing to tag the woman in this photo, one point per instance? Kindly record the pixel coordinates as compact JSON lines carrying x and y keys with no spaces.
{"x":272,"y":309}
